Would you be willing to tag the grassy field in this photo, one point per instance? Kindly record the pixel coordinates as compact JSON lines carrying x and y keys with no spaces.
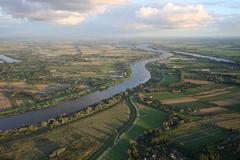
{"x":78,"y":139}
{"x":193,"y":136}
{"x":235,"y":107}
{"x":165,"y":95}
{"x":169,"y":78}
{"x":199,"y":104}
{"x":86,"y":69}
{"x":149,"y":118}
{"x":228,"y":120}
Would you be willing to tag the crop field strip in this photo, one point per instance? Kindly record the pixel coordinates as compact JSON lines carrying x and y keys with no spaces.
{"x":204,"y":96}
{"x":196,"y":135}
{"x":224,"y":120}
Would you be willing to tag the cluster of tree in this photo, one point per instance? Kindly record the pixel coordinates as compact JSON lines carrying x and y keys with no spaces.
{"x":54,"y":122}
{"x":209,"y":154}
{"x":157,"y":70}
{"x":214,"y":77}
{"x":184,"y":86}
{"x":123,"y":68}
{"x":57,"y":152}
{"x":153,"y":144}
{"x":166,"y":108}
{"x":158,"y":105}
{"x":227,"y":148}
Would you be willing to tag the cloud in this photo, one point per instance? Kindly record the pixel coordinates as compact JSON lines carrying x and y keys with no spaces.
{"x":175,"y":16}
{"x":110,"y":2}
{"x":147,"y":12}
{"x":138,"y":26}
{"x":67,"y":12}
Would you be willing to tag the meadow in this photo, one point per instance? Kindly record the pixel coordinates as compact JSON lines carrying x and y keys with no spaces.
{"x":194,"y":136}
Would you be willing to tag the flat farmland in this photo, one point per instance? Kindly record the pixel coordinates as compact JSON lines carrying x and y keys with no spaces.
{"x":201,"y":97}
{"x":85,"y":69}
{"x":194,"y":136}
{"x":235,"y":107}
{"x":211,"y":110}
{"x":228,"y":120}
{"x":78,"y":139}
{"x":169,"y":78}
{"x":201,"y":82}
{"x":4,"y":102}
{"x":178,"y":100}
{"x":112,"y":52}
{"x":165,"y":95}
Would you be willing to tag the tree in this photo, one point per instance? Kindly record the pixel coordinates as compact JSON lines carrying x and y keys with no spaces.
{"x":210,"y":155}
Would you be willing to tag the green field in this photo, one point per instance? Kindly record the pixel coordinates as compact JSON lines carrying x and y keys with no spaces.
{"x":194,"y":136}
{"x":79,"y":139}
{"x":165,"y":95}
{"x":149,"y":118}
{"x":169,"y":78}
{"x":86,"y":70}
{"x":235,"y":107}
{"x":198,"y":104}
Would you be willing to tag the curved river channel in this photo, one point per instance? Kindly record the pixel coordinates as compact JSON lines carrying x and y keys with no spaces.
{"x":139,"y":75}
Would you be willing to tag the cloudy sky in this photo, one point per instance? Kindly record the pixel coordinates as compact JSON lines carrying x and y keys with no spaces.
{"x":119,"y":18}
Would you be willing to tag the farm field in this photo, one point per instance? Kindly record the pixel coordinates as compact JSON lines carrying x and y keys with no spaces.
{"x":148,"y":118}
{"x":194,"y":136}
{"x":78,"y":139}
{"x":235,"y":107}
{"x":200,"y":97}
{"x":228,"y":120}
{"x":4,"y":102}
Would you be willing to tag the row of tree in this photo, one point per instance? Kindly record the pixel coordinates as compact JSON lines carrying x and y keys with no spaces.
{"x":63,"y":119}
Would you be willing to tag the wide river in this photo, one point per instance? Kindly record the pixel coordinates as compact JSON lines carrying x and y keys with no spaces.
{"x":139,"y":75}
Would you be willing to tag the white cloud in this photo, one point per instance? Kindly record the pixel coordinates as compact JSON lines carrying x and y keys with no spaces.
{"x":175,"y":16}
{"x":147,"y":12}
{"x":138,"y":26}
{"x":110,"y":2}
{"x":67,"y":12}
{"x":59,"y":17}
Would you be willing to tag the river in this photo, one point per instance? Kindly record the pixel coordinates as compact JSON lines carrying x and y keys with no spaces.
{"x":146,"y":47}
{"x":205,"y":57}
{"x":139,"y":75}
{"x":7,"y":59}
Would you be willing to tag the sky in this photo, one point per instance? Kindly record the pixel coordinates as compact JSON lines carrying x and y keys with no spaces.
{"x":119,"y":18}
